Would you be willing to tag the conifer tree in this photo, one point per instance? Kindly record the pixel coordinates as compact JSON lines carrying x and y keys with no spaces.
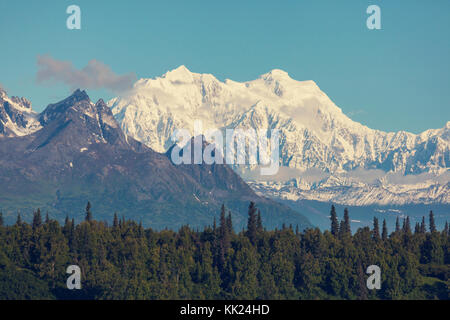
{"x":362,"y":287}
{"x":344,"y":228}
{"x":397,"y":225}
{"x":47,"y":219}
{"x":252,"y":223}
{"x":224,"y":238}
{"x":347,"y":227}
{"x":417,"y":228}
{"x":384,"y":234}
{"x":341,"y":230}
{"x":1,"y":219}
{"x":88,"y":212}
{"x":423,"y":227}
{"x":37,"y":219}
{"x":445,"y":231}
{"x":19,"y":219}
{"x":407,"y":225}
{"x":334,"y":222}
{"x":432,"y":223}
{"x":376,"y":229}
{"x":115,"y":221}
{"x":259,"y":225}
{"x":223,"y":222}
{"x":230,"y":223}
{"x":224,"y":231}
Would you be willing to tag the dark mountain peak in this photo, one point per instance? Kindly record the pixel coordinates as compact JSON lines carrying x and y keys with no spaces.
{"x":24,"y":102}
{"x":79,"y":95}
{"x":100,"y":102}
{"x":76,"y":123}
{"x":78,"y":102}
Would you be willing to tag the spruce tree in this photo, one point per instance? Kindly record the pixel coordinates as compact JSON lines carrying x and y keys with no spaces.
{"x":252,"y":228}
{"x":407,"y":225}
{"x":1,"y":219}
{"x":223,"y":222}
{"x":334,"y":222}
{"x":362,"y":287}
{"x":432,"y":223}
{"x":115,"y":221}
{"x":445,"y":231}
{"x":384,"y":234}
{"x":423,"y":227}
{"x":376,"y":229}
{"x":37,"y":219}
{"x":19,"y":219}
{"x":224,"y":232}
{"x":417,"y":228}
{"x":230,"y":223}
{"x":88,"y":212}
{"x":259,"y":225}
{"x":224,"y":238}
{"x":347,"y":227}
{"x":397,"y":225}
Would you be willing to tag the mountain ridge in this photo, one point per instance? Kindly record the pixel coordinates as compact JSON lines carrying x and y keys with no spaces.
{"x":315,"y":133}
{"x":80,"y":153}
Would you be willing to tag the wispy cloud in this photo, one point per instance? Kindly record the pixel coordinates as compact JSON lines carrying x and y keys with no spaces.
{"x":96,"y":75}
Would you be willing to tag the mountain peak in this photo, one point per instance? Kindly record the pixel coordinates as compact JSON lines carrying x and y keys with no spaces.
{"x":179,"y":74}
{"x":79,"y":95}
{"x":276,"y":74}
{"x":100,"y":102}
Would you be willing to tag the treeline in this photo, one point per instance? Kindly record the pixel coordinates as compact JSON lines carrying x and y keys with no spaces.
{"x":125,"y":261}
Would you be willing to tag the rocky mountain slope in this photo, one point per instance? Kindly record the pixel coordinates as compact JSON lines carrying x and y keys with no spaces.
{"x":77,"y":152}
{"x":16,"y":116}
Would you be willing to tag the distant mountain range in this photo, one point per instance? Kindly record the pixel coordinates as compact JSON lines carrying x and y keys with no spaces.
{"x":75,"y":151}
{"x":325,"y":156}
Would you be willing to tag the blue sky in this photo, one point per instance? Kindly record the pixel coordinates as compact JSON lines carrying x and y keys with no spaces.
{"x":397,"y":78}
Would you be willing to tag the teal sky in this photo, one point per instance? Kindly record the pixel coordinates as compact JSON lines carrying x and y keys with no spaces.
{"x":397,"y":78}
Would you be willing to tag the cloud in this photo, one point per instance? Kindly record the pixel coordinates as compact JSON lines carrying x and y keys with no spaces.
{"x":398,"y":178}
{"x":366,"y":175}
{"x":96,"y":75}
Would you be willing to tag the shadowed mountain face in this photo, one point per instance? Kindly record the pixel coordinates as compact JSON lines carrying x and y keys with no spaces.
{"x":79,"y":153}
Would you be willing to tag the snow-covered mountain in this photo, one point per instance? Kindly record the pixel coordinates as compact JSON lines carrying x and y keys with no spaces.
{"x":16,"y":116}
{"x":323,"y":153}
